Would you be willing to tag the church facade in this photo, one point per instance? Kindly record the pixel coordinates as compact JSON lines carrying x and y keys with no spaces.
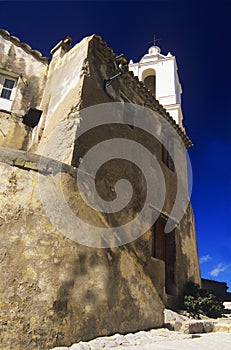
{"x":56,"y":289}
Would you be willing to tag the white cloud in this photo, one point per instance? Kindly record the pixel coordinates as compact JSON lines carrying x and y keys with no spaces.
{"x":218,"y":269}
{"x":205,"y":258}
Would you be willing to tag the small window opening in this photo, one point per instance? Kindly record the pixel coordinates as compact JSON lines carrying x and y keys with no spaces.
{"x":7,"y":88}
{"x":167,"y":159}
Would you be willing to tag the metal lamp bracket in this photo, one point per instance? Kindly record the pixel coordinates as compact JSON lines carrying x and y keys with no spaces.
{"x":119,"y":63}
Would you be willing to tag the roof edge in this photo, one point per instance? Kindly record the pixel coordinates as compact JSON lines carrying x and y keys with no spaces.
{"x":16,"y":41}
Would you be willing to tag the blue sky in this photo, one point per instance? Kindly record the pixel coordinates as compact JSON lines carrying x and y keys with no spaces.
{"x":198,"y":33}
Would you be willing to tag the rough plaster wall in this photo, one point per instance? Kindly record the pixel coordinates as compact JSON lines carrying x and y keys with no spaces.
{"x":60,"y":292}
{"x":61,"y":96}
{"x":13,"y":133}
{"x":29,"y":89}
{"x":187,"y":262}
{"x":95,"y":64}
{"x":53,"y":290}
{"x":76,"y":80}
{"x":187,"y":252}
{"x":100,"y":61}
{"x":101,"y":67}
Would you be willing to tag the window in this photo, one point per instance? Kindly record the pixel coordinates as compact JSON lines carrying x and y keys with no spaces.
{"x":166,"y":158}
{"x":149,"y":80}
{"x":150,"y":83}
{"x":7,"y":90}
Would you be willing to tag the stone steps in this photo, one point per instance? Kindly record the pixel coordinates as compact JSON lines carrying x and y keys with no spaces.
{"x":179,"y":323}
{"x":222,"y":327}
{"x":194,"y":326}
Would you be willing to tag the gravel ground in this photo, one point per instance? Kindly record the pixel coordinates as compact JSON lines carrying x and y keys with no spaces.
{"x":161,"y":339}
{"x":209,"y":341}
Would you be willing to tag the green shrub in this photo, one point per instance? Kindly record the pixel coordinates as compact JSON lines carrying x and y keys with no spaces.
{"x":198,"y":301}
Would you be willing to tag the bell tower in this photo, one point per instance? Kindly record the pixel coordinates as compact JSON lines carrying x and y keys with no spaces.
{"x":159,"y":73}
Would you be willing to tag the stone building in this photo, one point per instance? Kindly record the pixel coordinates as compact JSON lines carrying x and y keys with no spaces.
{"x":54,"y":290}
{"x":219,"y":289}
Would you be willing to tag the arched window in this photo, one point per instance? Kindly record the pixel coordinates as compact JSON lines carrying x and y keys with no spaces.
{"x":150,"y":83}
{"x":149,"y":79}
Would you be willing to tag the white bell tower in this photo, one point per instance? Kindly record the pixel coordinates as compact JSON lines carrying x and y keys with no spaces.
{"x":159,"y":73}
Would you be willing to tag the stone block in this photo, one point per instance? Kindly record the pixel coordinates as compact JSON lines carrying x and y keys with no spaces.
{"x":177,"y":326}
{"x":222,"y":328}
{"x":170,"y":315}
{"x":192,"y":327}
{"x":19,"y":162}
{"x":31,"y":165}
{"x":208,"y":326}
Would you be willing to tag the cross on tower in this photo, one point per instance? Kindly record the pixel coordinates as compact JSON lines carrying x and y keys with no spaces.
{"x":154,"y":40}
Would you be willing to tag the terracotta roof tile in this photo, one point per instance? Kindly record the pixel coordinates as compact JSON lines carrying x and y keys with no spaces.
{"x":24,"y":46}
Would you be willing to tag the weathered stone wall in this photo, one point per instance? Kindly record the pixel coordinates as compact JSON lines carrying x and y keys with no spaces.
{"x":129,"y":89}
{"x":53,"y":290}
{"x":62,"y":94}
{"x":76,"y":81}
{"x":187,"y":252}
{"x":13,"y":133}
{"x":187,"y":268}
{"x":93,"y":61}
{"x":28,"y":67}
{"x":125,"y":89}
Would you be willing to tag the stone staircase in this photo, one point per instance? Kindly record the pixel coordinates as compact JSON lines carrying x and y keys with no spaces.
{"x":180,"y":323}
